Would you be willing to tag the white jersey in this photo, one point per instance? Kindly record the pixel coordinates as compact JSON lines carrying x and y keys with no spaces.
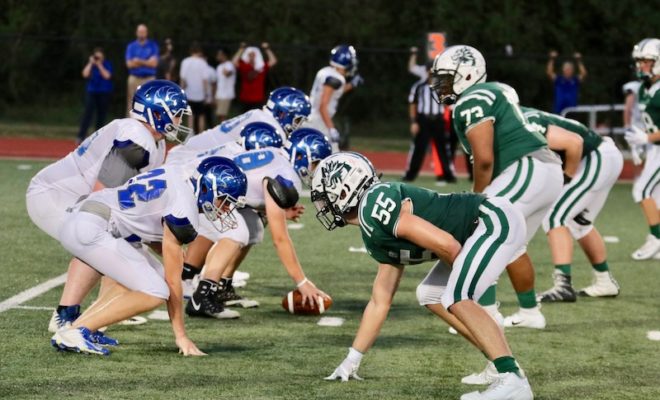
{"x":138,"y":208}
{"x":230,"y":130}
{"x":79,"y":170}
{"x":183,"y":154}
{"x":331,"y":77}
{"x":260,"y":164}
{"x":632,"y":87}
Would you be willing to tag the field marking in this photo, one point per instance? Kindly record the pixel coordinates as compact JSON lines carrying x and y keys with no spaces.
{"x":32,"y":292}
{"x":653,"y":335}
{"x":36,"y":308}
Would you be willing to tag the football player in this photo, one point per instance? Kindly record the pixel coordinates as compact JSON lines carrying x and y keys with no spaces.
{"x":510,"y":159}
{"x":274,"y":180}
{"x":330,"y":84}
{"x":592,"y":166}
{"x":118,"y":151}
{"x":287,"y":108}
{"x":647,"y":60}
{"x":108,"y":230}
{"x":474,"y":238}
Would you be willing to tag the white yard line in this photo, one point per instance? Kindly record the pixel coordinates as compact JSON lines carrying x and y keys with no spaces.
{"x":32,"y":292}
{"x":35,"y":308}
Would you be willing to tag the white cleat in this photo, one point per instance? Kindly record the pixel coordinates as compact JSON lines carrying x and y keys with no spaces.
{"x":241,"y":276}
{"x":507,"y":386}
{"x":227,"y":314}
{"x":485,"y":377}
{"x":189,"y":286}
{"x":55,"y":324}
{"x":526,"y":318}
{"x":648,"y":250}
{"x":136,"y":320}
{"x":604,"y":285}
{"x":78,"y":340}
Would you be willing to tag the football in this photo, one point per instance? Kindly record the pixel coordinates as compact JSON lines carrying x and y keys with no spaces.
{"x":292,"y":302}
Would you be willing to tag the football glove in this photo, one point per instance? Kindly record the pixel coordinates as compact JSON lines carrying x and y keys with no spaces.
{"x":636,"y":137}
{"x":348,"y":368}
{"x":357,"y":80}
{"x":637,"y":152}
{"x":334,"y":135}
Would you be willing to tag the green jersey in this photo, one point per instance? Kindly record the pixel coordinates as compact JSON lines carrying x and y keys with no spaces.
{"x":541,"y":120}
{"x":513,"y":137}
{"x":379,"y":214}
{"x":649,"y":106}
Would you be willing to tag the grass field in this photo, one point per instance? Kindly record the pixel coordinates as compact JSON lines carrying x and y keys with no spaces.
{"x":593,"y":349}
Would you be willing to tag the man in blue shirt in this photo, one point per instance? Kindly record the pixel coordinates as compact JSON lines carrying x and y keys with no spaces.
{"x":98,"y":73}
{"x":141,"y":61}
{"x":566,"y":85}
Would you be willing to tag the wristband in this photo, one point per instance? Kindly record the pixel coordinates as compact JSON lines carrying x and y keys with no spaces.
{"x":299,"y":284}
{"x":354,"y":355}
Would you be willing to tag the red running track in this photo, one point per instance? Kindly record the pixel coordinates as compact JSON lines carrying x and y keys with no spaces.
{"x":385,"y":161}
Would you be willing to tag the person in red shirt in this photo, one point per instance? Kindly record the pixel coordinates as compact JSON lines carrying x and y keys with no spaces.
{"x":252,"y":70}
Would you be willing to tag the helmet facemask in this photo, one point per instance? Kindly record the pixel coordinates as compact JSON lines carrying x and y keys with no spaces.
{"x":175,"y":132}
{"x":442,"y":87}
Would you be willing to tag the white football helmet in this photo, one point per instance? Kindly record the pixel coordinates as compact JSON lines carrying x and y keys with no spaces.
{"x":338,"y":184}
{"x":647,"y":49}
{"x":454,"y":70}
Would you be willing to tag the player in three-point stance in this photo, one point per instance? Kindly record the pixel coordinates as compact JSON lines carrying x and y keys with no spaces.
{"x":473,"y":236}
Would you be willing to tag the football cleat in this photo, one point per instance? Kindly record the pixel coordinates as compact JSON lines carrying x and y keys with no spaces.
{"x":189,"y":286}
{"x":229,"y":297}
{"x":99,"y":337}
{"x":603,"y":285}
{"x":63,"y":319}
{"x":241,"y":276}
{"x":649,"y":249}
{"x":204,"y":303}
{"x":562,"y":291}
{"x":507,"y":386}
{"x":136,"y":320}
{"x":526,"y":318}
{"x":77,"y":340}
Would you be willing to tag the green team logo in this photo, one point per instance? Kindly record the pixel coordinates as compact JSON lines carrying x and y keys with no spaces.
{"x":334,"y":173}
{"x":463,"y":56}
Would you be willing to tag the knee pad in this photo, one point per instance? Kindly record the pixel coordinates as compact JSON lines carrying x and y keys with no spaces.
{"x":427,"y":294}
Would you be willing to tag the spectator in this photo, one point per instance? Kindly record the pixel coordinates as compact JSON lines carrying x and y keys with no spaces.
{"x":194,"y":80}
{"x":98,"y":73}
{"x":141,"y":61}
{"x":209,"y":103}
{"x":167,"y":62}
{"x":567,"y":85}
{"x":225,"y":83}
{"x":427,"y":122}
{"x":416,"y":69}
{"x":252,"y":70}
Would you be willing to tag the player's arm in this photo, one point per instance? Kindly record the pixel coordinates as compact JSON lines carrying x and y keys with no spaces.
{"x":629,"y":103}
{"x":560,"y":139}
{"x":481,"y":138}
{"x":286,"y":252}
{"x":326,"y":95}
{"x":173,"y":263}
{"x":384,"y":287}
{"x":426,"y":235}
{"x":374,"y":316}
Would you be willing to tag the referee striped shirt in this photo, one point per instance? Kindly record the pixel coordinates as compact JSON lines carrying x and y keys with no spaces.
{"x":420,"y":94}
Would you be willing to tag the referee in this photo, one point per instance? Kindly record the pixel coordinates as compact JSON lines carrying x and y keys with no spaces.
{"x":426,"y":123}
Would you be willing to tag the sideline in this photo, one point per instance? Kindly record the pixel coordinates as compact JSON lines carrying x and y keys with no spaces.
{"x":31,"y":293}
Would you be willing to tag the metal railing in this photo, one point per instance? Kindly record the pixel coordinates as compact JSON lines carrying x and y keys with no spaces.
{"x":592,"y":121}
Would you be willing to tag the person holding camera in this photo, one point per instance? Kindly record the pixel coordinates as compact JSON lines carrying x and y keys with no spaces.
{"x":98,"y":73}
{"x":567,"y":84}
{"x":252,"y":69}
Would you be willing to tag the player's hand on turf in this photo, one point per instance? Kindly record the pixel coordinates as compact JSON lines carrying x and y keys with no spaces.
{"x":348,"y":368}
{"x":295,"y":212}
{"x":311,"y":293}
{"x":636,"y":137}
{"x":187,"y":347}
